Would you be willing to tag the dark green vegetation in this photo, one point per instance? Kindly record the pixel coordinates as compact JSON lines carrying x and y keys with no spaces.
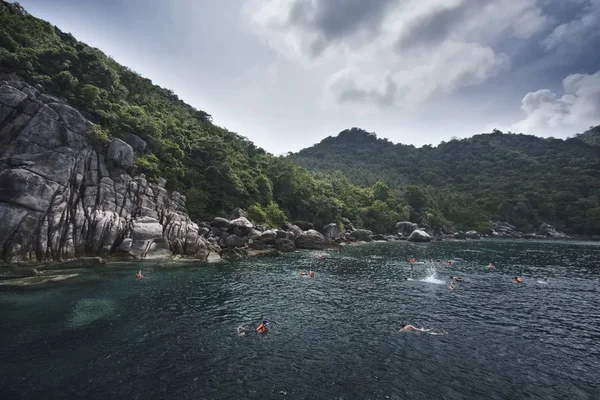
{"x":523,"y":179}
{"x":464,"y":184}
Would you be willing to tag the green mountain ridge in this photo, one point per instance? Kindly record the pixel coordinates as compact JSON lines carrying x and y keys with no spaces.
{"x":374,"y":183}
{"x":523,"y":179}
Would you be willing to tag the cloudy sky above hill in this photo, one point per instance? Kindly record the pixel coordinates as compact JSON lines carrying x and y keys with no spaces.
{"x":287,"y":73}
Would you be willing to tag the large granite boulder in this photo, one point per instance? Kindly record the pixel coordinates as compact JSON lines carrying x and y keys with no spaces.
{"x":268,"y":236}
{"x":219,"y":222}
{"x":120,"y":153}
{"x":362,"y":235}
{"x":240,"y":226}
{"x":419,"y":236}
{"x":285,"y":245}
{"x":332,"y":231}
{"x":549,"y":231}
{"x":137,"y":144}
{"x":296,"y":230}
{"x":236,"y":241}
{"x":405,"y":228}
{"x":311,"y":239}
{"x":472,"y":235}
{"x":305,"y":226}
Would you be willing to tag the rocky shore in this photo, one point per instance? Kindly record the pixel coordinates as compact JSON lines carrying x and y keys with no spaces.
{"x":64,"y":197}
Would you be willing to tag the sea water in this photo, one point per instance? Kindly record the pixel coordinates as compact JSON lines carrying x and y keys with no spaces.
{"x":174,"y":334}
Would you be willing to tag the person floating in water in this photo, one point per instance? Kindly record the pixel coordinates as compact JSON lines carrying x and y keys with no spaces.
{"x":303,"y":273}
{"x":139,"y":275}
{"x":412,"y":260}
{"x":410,"y":328}
{"x":456,"y":278}
{"x":321,"y":256}
{"x":516,"y":279}
{"x":491,"y":266}
{"x":449,"y":262}
{"x":452,"y":285}
{"x":311,"y":274}
{"x":263,"y":327}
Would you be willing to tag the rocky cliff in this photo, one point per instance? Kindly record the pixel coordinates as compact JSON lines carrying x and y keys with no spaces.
{"x":63,"y":198}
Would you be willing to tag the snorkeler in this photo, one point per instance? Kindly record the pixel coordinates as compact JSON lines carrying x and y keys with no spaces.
{"x":139,"y":275}
{"x":452,"y":285}
{"x":311,"y":274}
{"x":456,"y":278}
{"x":412,"y":329}
{"x":491,"y":266}
{"x":263,"y":327}
{"x":303,"y":273}
{"x":516,"y":279}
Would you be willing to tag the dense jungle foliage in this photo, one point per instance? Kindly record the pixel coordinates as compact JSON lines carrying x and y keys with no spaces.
{"x":463,"y":184}
{"x":523,"y":179}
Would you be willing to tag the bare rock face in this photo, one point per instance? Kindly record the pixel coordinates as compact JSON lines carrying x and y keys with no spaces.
{"x":121,"y":153}
{"x":58,"y":200}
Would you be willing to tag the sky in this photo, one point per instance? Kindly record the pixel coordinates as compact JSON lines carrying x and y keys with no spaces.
{"x":288,"y":73}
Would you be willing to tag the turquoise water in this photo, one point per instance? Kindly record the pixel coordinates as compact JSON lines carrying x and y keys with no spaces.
{"x":175,"y":335}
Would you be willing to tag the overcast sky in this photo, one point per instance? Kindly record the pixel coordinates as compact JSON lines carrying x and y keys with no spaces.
{"x":287,"y":73}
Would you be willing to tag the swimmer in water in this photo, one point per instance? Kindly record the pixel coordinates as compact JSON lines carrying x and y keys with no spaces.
{"x":516,"y":279}
{"x":303,"y":273}
{"x":311,"y":274}
{"x":139,"y":275}
{"x":491,"y":266}
{"x":263,"y":327}
{"x":412,"y":329}
{"x":456,"y":278}
{"x":452,"y":285}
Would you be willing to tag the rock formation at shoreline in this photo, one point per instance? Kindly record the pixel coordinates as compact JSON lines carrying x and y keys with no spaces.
{"x":60,"y":198}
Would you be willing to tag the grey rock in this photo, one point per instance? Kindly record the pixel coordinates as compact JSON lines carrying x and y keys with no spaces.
{"x":332,"y":231}
{"x":472,"y":235}
{"x":137,"y":144}
{"x":362,"y":235}
{"x":121,"y":153}
{"x":296,"y":230}
{"x":241,"y":226}
{"x":280,"y":234}
{"x":549,"y":231}
{"x":235,"y":241}
{"x":11,"y":97}
{"x":311,"y":239}
{"x":268,"y":236}
{"x":405,"y":228}
{"x":220,"y":222}
{"x":419,"y":236}
{"x":285,"y":245}
{"x":254,"y":234}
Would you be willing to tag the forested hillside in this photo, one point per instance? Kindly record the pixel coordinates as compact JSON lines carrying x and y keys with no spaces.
{"x":519,"y":178}
{"x":216,"y":169}
{"x":461,"y":184}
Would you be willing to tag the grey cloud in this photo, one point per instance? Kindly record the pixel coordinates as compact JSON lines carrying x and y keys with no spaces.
{"x":434,"y":27}
{"x":351,"y":94}
{"x":334,"y":20}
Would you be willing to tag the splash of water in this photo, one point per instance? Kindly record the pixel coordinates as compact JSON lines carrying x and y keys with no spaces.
{"x":432,"y":277}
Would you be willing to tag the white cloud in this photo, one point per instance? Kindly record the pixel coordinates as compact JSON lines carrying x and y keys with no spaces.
{"x":397,"y":50}
{"x":550,"y":114}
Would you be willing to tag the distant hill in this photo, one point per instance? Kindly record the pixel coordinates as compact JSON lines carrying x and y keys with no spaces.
{"x":591,"y":136}
{"x":520,"y":178}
